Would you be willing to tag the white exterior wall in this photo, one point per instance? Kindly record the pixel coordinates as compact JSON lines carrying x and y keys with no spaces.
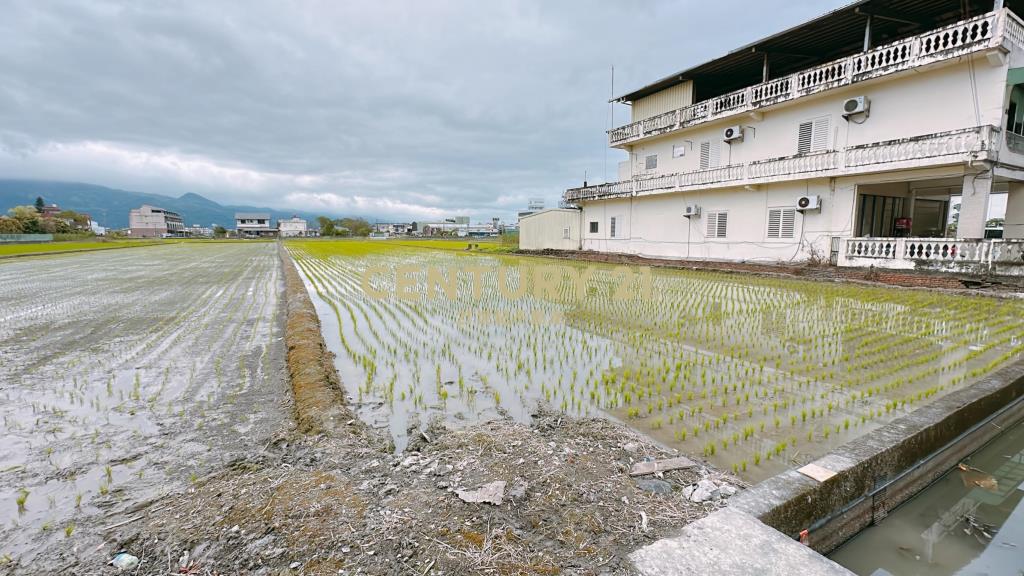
{"x":654,"y":225}
{"x":923,"y":101}
{"x":913,"y":103}
{"x":546,"y":230}
{"x":672,"y":98}
{"x":291,"y":227}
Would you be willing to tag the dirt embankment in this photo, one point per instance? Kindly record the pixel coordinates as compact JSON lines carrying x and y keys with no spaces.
{"x":319,"y":399}
{"x":559,"y":498}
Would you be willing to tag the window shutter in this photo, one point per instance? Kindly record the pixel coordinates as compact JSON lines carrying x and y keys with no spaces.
{"x":803,"y":144}
{"x":716,"y":150}
{"x":774,"y":222}
{"x":788,"y":223}
{"x":717,"y":224}
{"x":781,"y":222}
{"x":819,"y":139}
{"x":705,"y":155}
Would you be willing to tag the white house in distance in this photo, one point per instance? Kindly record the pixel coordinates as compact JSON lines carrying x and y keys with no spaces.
{"x":851,"y":138}
{"x":293,"y":227}
{"x":253,"y":225}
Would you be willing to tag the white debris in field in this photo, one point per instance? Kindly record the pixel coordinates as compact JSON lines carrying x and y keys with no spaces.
{"x":656,"y":466}
{"x":707,"y":491}
{"x":490,"y":493}
{"x":124,"y":561}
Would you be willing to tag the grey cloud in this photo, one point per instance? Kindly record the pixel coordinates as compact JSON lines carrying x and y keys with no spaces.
{"x":443,"y":104}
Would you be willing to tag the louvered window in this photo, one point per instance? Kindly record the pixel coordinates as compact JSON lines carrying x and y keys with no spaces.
{"x":709,"y":155}
{"x":781,"y":222}
{"x":718,"y":222}
{"x":611,"y":227}
{"x":813,"y":135}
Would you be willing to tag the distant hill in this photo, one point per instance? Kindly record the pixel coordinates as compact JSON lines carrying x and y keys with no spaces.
{"x":110,"y":206}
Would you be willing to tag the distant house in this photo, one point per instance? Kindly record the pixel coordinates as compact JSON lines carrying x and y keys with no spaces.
{"x":197,"y":231}
{"x":293,"y":227}
{"x":254,"y":225}
{"x":153,"y":222}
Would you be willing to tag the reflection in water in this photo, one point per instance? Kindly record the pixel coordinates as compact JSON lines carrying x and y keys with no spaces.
{"x":756,"y":375}
{"x":970,"y":522}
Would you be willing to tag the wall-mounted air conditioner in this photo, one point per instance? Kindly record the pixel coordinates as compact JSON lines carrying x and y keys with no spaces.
{"x":732,"y":133}
{"x":858,"y":105}
{"x":691,"y":211}
{"x":806,"y":203}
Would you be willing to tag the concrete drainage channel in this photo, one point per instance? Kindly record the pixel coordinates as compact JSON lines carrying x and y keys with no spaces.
{"x":762,"y":530}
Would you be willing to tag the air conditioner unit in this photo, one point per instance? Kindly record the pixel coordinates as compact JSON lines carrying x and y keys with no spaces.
{"x":732,"y":133}
{"x":806,"y":203}
{"x":691,"y":211}
{"x":857,"y":105}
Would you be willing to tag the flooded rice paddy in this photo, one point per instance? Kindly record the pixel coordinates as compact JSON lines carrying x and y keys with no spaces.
{"x":968,"y":523}
{"x":127,"y":374}
{"x":755,"y":374}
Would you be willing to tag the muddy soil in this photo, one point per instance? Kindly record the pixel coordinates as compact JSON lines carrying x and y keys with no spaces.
{"x":338,"y":506}
{"x":125,"y":376}
{"x":264,"y":496}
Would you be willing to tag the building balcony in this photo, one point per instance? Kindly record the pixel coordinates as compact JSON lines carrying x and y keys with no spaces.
{"x":989,"y":31}
{"x":980,"y":256}
{"x":944,"y":148}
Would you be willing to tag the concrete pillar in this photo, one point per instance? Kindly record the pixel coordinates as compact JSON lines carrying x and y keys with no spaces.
{"x":974,"y":205}
{"x":1014,"y":226}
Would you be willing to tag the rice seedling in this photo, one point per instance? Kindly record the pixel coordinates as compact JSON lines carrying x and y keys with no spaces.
{"x":21,"y":499}
{"x":703,"y":359}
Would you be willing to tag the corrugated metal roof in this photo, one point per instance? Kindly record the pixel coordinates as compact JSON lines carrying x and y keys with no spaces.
{"x":833,"y":35}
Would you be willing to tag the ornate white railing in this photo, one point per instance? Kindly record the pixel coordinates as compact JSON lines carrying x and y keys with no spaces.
{"x":982,"y":254}
{"x":943,"y":147}
{"x":919,"y":148}
{"x":974,"y":34}
{"x":729,"y":173}
{"x":815,"y":162}
{"x":871,"y":247}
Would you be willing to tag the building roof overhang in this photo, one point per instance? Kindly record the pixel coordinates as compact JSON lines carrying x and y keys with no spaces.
{"x":830,"y":36}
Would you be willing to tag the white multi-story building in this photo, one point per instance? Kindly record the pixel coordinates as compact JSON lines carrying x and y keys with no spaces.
{"x":853,"y":138}
{"x":153,"y":222}
{"x":253,"y":225}
{"x":293,"y":227}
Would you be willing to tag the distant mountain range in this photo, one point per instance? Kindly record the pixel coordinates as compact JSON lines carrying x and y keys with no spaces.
{"x":109,"y":206}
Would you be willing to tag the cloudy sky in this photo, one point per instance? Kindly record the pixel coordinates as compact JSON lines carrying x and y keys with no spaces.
{"x":410,"y":109}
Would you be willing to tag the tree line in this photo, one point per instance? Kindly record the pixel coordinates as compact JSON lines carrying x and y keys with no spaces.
{"x":344,"y":226}
{"x":32,"y":219}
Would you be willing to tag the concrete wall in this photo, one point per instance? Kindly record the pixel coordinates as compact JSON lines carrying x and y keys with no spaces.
{"x":546,"y":230}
